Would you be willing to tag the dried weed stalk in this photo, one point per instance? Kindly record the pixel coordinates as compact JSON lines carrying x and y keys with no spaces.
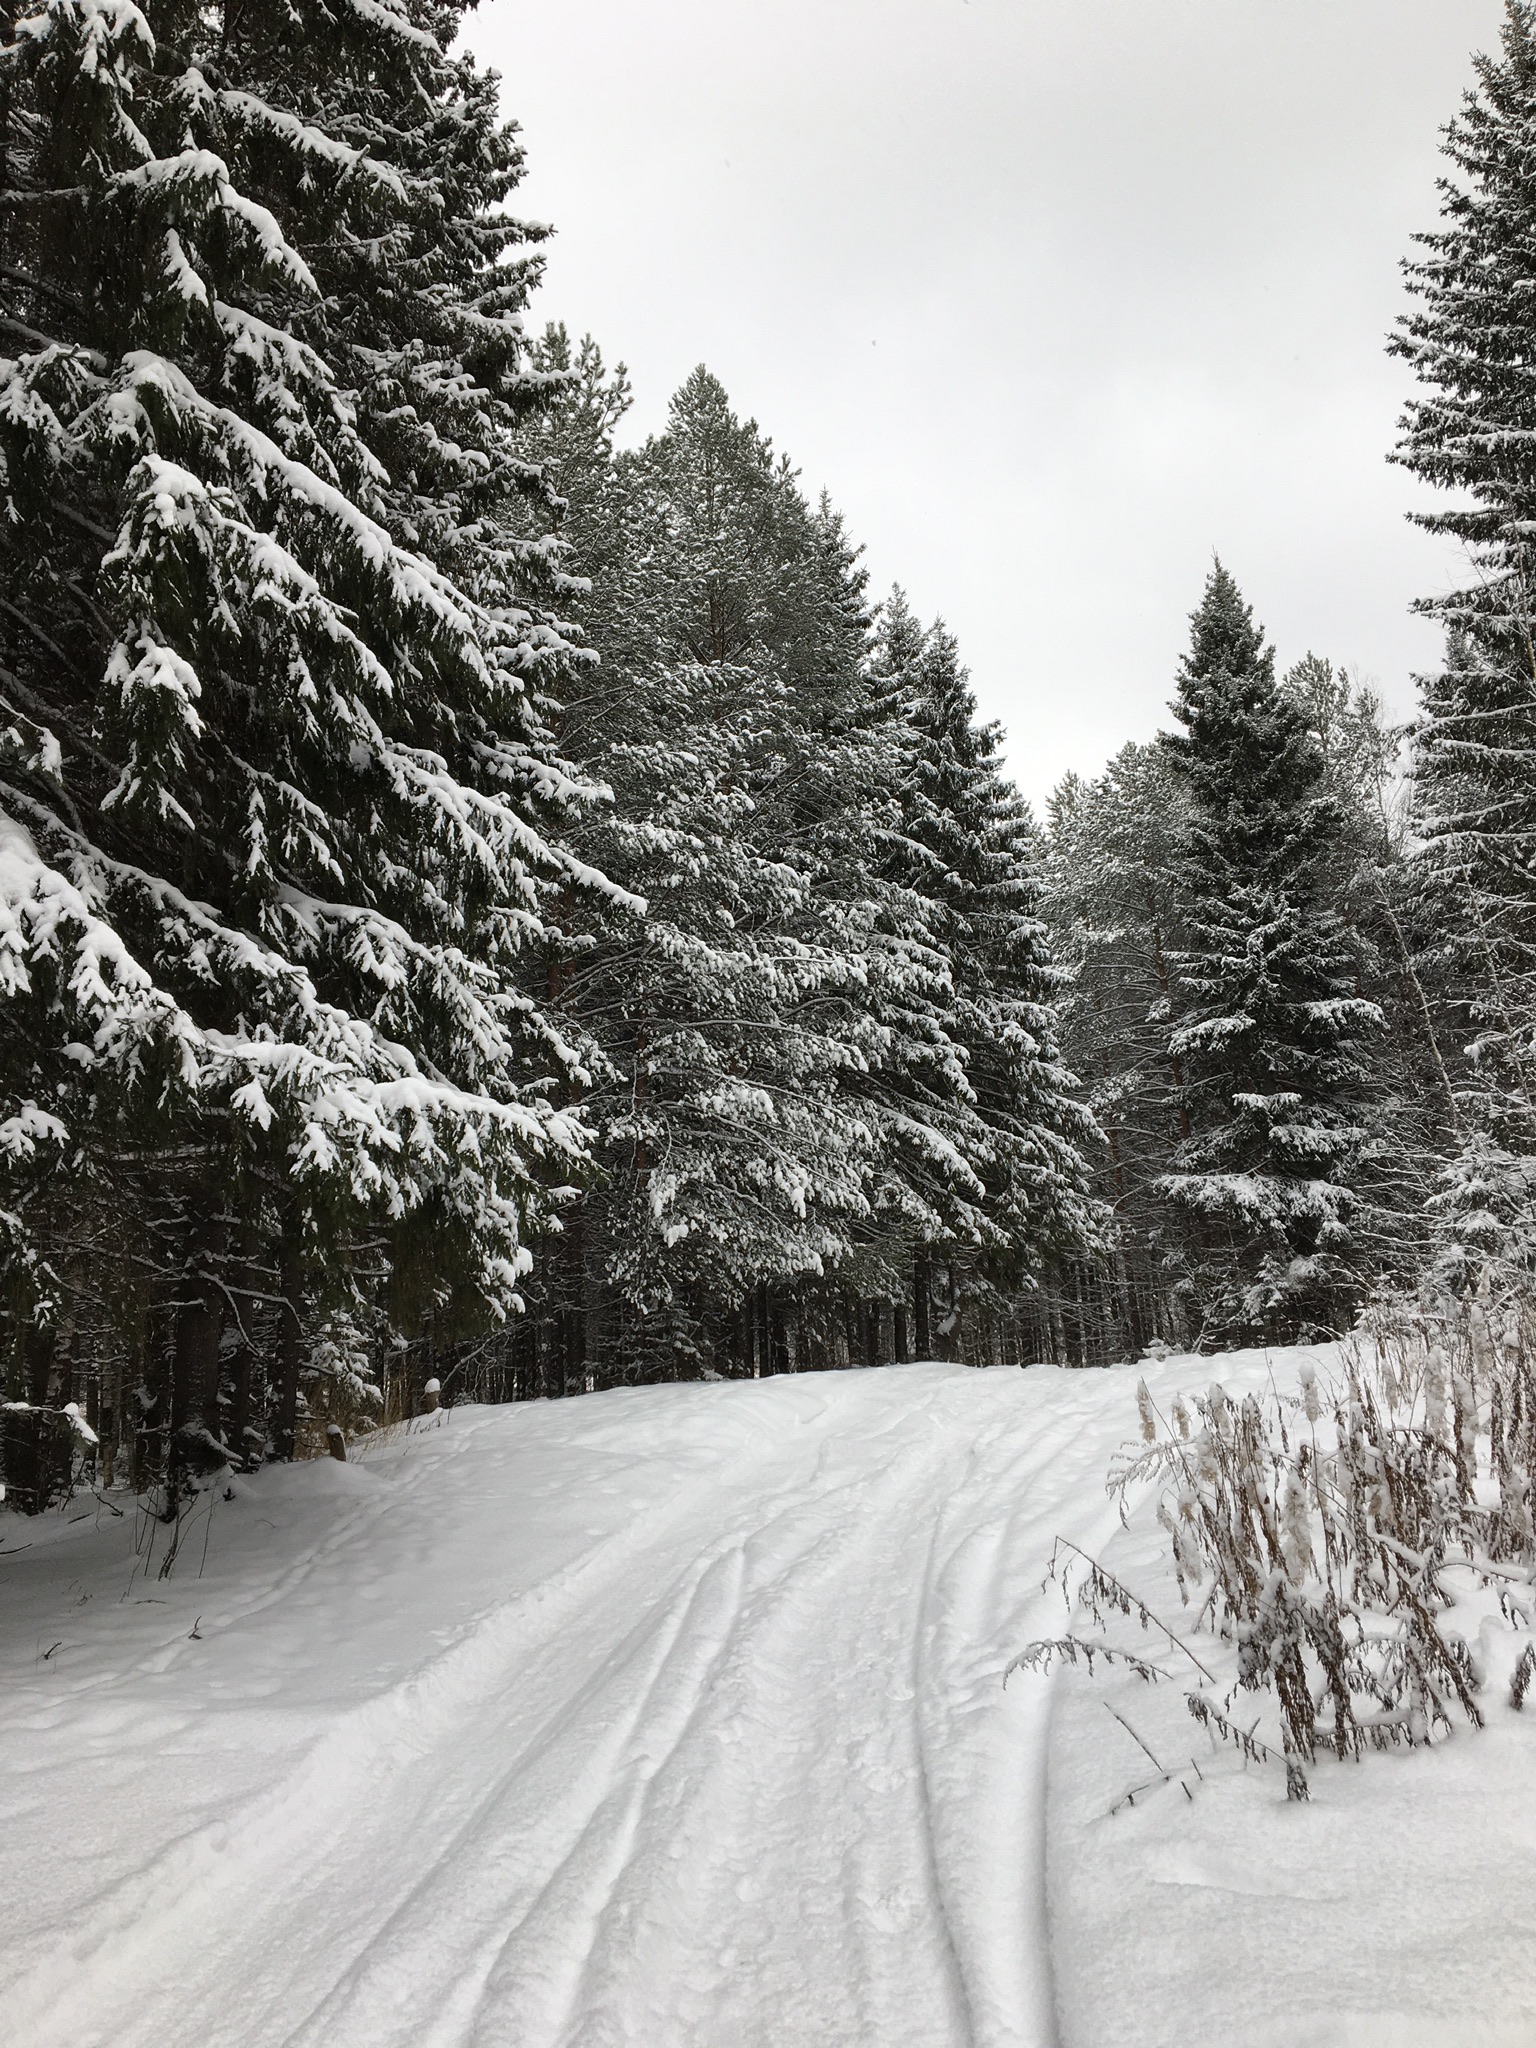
{"x":1321,"y":1536}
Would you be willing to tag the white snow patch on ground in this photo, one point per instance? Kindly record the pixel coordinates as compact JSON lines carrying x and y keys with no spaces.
{"x":675,"y":1718}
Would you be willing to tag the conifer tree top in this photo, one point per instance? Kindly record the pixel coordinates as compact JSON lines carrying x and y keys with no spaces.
{"x":1226,"y":646}
{"x":1245,"y":749}
{"x":1468,"y":339}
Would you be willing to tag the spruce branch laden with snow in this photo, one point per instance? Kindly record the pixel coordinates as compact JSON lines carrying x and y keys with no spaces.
{"x":279,"y":812}
{"x":1468,"y":431}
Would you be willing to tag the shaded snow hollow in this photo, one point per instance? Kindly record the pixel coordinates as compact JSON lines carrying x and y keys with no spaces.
{"x":674,"y":1718}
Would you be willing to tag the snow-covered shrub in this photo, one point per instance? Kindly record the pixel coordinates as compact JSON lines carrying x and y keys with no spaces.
{"x":1483,"y":1214}
{"x":1326,"y":1539}
{"x":46,"y":1453}
{"x":339,"y":1387}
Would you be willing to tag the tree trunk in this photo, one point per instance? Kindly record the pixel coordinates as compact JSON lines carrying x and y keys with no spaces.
{"x":37,"y":1352}
{"x":778,"y":1340}
{"x":1082,"y":1313}
{"x":111,"y":1421}
{"x":954,"y":1335}
{"x":240,"y":1407}
{"x":922,"y":1303}
{"x":290,"y":1354}
{"x":573,"y":1320}
{"x":28,"y":1436}
{"x":196,"y":1444}
{"x":1058,"y":1332}
{"x":772,"y":1352}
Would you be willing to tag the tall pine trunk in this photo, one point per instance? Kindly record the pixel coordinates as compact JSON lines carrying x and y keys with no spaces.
{"x":922,"y":1302}
{"x":196,"y":1441}
{"x":290,"y":1352}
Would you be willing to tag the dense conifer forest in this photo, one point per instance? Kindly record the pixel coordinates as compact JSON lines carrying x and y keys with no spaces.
{"x":488,"y":903}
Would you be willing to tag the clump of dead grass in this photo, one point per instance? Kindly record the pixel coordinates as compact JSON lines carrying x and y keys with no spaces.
{"x":1322,"y":1540}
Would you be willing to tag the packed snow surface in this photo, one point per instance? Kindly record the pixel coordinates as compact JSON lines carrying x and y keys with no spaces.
{"x":676,"y":1718}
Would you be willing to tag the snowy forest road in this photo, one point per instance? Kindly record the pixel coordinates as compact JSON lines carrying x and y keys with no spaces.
{"x":671,"y":1717}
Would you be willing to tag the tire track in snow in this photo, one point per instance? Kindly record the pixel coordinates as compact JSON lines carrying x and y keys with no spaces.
{"x":989,"y":1816}
{"x":388,"y":1981}
{"x":520,"y":1941}
{"x":744,"y":1777}
{"x":908,"y":1986}
{"x":762,"y":1776}
{"x":195,"y":1896}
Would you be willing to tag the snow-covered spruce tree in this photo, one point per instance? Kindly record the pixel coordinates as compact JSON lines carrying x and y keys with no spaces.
{"x":852,"y":816}
{"x":1267,"y":1023}
{"x":1470,"y":431}
{"x":722,"y":1023}
{"x":275,"y":792}
{"x":1112,"y":906}
{"x":1114,"y":897}
{"x":970,"y":858}
{"x":783,"y":1082}
{"x":1395,"y":910}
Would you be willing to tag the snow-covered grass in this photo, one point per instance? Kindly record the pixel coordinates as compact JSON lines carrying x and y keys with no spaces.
{"x":674,"y":1717}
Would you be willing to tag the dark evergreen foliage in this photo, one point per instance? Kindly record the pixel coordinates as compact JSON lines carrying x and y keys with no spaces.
{"x":798,"y":1162}
{"x":480,"y":901}
{"x":1470,"y":431}
{"x":1266,"y":1019}
{"x":1112,"y":904}
{"x":279,"y":807}
{"x":1229,"y":899}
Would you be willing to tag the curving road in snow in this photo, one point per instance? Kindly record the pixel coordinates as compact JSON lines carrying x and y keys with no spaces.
{"x":664,"y":1717}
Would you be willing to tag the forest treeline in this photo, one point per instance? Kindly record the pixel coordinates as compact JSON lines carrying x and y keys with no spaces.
{"x":480,"y":901}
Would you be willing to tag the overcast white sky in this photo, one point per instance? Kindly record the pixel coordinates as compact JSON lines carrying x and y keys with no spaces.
{"x":1054,"y":296}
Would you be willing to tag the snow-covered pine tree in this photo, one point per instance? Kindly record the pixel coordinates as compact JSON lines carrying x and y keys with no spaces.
{"x":274,"y":785}
{"x":859,"y":753}
{"x":784,"y":1095}
{"x":1266,"y":1022}
{"x":1114,"y":899}
{"x":1469,"y":431}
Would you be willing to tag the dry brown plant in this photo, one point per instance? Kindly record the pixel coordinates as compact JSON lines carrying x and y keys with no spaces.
{"x":1322,"y":1538}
